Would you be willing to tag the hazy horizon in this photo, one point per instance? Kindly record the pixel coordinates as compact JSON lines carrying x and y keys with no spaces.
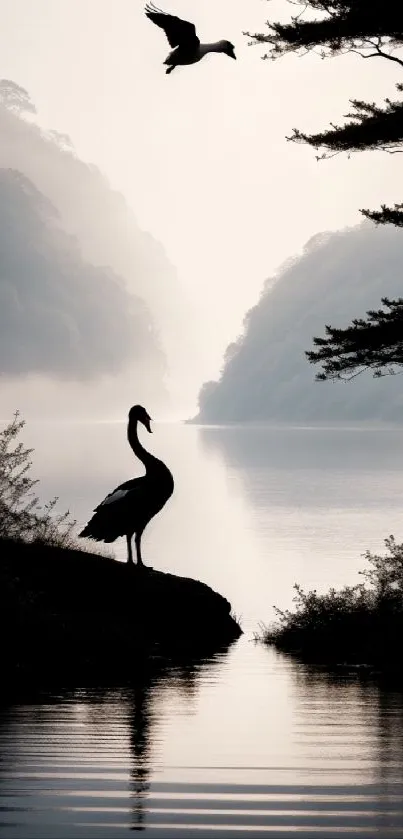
{"x":201,"y":156}
{"x":162,"y":244}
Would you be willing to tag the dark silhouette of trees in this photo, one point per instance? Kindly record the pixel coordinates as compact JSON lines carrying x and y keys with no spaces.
{"x":340,"y":26}
{"x":371,"y":30}
{"x":375,"y":343}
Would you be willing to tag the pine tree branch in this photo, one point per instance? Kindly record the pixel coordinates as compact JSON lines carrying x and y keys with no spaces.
{"x":386,"y":215}
{"x":370,"y":127}
{"x":347,"y":26}
{"x":379,"y":52}
{"x":371,"y":30}
{"x":375,"y":343}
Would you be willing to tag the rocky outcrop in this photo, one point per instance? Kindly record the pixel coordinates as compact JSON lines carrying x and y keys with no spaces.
{"x":67,"y":614}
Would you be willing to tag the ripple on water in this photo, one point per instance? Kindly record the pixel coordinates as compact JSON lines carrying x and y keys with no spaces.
{"x":247,"y":743}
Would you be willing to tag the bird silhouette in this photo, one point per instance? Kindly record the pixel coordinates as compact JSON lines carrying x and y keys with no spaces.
{"x":128,"y":509}
{"x":182,"y":35}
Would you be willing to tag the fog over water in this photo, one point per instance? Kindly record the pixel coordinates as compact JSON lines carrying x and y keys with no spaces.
{"x":158,"y":234}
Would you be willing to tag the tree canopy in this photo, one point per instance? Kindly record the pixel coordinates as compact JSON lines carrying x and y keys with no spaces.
{"x":371,"y":30}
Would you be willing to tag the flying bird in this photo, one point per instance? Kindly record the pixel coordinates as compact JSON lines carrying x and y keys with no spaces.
{"x":128,"y":509}
{"x":182,"y":36}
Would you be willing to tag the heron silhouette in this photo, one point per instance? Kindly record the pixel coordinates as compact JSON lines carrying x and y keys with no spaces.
{"x":128,"y":509}
{"x":181,"y":35}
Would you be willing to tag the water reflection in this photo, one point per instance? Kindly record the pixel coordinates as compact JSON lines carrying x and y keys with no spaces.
{"x":145,"y":703}
{"x":248,"y":742}
{"x":351,"y":716}
{"x":317,"y":499}
{"x":309,"y":454}
{"x":140,"y":727}
{"x":88,"y":754}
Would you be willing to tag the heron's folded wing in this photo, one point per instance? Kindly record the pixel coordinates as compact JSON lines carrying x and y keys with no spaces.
{"x":135,"y":488}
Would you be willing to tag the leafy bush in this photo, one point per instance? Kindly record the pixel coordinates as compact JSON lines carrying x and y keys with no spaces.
{"x":358,"y":622}
{"x":21,"y":515}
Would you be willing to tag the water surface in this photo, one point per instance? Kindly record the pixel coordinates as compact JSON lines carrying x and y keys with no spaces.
{"x":248,"y":742}
{"x":254,"y":509}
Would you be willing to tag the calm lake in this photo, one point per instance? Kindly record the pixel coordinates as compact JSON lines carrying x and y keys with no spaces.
{"x":248,"y":742}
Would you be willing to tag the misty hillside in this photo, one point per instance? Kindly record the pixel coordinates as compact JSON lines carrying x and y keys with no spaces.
{"x":266,"y":375}
{"x":59,"y":314}
{"x":134,"y":311}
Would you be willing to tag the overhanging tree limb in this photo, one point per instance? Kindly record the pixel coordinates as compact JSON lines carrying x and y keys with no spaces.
{"x":372,"y":30}
{"x":344,"y":25}
{"x":335,"y":27}
{"x":374,"y":343}
{"x":386,"y":215}
{"x":370,"y":127}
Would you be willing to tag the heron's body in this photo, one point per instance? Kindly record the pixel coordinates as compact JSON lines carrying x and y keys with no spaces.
{"x":128,"y":509}
{"x":182,"y":36}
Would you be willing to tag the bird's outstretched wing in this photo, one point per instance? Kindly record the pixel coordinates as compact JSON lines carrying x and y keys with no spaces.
{"x":177,"y":31}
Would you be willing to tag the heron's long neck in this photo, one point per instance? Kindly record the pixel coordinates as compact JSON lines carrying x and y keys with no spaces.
{"x":148,"y":459}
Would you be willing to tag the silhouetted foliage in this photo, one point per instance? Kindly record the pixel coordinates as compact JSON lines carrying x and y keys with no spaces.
{"x":21,"y":515}
{"x":371,"y":127}
{"x":342,"y":26}
{"x":371,"y":30}
{"x":386,"y":215}
{"x":348,"y":26}
{"x":375,"y":343}
{"x":358,"y":624}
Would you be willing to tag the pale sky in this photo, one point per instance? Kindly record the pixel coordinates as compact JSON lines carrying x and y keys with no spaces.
{"x":201,"y":155}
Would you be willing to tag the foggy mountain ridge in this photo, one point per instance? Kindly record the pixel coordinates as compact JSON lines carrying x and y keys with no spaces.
{"x":60,"y":315}
{"x":133,"y":315}
{"x":103,"y":224}
{"x":266,"y":376}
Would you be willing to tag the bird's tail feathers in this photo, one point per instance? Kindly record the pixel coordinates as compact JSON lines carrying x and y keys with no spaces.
{"x":101,"y":531}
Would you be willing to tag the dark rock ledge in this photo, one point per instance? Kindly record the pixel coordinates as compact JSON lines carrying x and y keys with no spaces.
{"x":68,"y":615}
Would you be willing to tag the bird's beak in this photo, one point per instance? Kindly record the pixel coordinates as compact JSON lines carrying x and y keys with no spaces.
{"x":147,"y":423}
{"x":232,"y":55}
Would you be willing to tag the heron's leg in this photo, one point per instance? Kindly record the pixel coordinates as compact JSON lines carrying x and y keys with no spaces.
{"x":129,"y":548}
{"x":137,"y":542}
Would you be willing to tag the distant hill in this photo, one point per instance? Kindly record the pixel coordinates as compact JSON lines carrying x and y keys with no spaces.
{"x":266,"y":376}
{"x":125,"y":315}
{"x":60,"y":315}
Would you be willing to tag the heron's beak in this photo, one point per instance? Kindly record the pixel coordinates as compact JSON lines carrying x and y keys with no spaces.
{"x":232,"y":54}
{"x":147,"y":423}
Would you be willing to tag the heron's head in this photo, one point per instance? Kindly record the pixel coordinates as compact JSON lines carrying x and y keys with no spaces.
{"x":139,"y":414}
{"x":228,"y":48}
